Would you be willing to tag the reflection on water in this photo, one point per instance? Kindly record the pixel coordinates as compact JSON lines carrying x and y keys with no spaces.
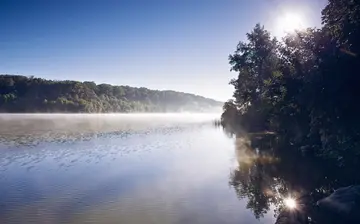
{"x":273,"y":176}
{"x":117,"y":169}
{"x":161,"y":169}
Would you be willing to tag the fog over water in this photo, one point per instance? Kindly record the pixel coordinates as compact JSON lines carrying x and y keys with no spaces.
{"x":117,"y":168}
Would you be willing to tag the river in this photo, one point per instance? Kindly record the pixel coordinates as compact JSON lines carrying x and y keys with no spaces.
{"x":120,"y":168}
{"x":163,"y":168}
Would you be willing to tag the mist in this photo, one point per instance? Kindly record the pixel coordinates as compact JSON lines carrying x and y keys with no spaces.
{"x":47,"y":127}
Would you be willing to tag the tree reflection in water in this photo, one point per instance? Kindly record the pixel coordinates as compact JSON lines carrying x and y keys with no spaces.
{"x":270,"y":171}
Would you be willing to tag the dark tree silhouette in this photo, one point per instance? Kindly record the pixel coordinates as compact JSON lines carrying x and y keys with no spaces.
{"x":304,"y":89}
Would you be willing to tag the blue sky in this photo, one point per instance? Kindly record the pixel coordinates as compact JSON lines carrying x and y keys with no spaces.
{"x":159,"y":44}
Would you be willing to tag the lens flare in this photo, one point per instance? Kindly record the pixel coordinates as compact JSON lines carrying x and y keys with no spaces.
{"x":288,"y":22}
{"x":290,"y":203}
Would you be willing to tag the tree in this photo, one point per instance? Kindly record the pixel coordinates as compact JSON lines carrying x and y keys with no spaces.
{"x":341,"y":18}
{"x":304,"y":88}
{"x":254,"y":61}
{"x":23,"y":94}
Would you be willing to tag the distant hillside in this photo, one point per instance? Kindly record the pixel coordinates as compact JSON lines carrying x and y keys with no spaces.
{"x":21,"y":94}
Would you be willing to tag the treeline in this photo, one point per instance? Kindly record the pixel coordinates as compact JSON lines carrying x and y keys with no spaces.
{"x":23,"y":94}
{"x":305,"y":87}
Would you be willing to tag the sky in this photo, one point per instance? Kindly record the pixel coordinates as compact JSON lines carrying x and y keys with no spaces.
{"x":181,"y":45}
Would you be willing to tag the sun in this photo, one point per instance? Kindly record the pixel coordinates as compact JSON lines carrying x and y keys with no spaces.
{"x":289,"y":22}
{"x":290,"y":203}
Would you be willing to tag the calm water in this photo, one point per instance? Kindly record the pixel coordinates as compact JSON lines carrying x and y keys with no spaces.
{"x":126,"y":169}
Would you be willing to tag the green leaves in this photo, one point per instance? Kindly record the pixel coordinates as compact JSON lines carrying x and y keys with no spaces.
{"x":305,"y":87}
{"x":23,"y":94}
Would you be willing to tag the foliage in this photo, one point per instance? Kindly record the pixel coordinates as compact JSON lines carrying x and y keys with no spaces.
{"x":22,"y":94}
{"x":304,"y":87}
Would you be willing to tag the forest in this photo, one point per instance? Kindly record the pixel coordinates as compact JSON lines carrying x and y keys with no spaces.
{"x":303,"y":87}
{"x":294,"y":111}
{"x":22,"y":94}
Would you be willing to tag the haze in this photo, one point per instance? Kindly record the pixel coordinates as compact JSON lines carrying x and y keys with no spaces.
{"x":49,"y":126}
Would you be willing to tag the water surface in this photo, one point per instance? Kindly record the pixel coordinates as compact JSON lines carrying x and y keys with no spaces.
{"x":142,"y":168}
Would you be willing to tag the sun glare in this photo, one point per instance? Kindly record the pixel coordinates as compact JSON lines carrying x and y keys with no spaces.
{"x":290,"y":22}
{"x":290,"y":203}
